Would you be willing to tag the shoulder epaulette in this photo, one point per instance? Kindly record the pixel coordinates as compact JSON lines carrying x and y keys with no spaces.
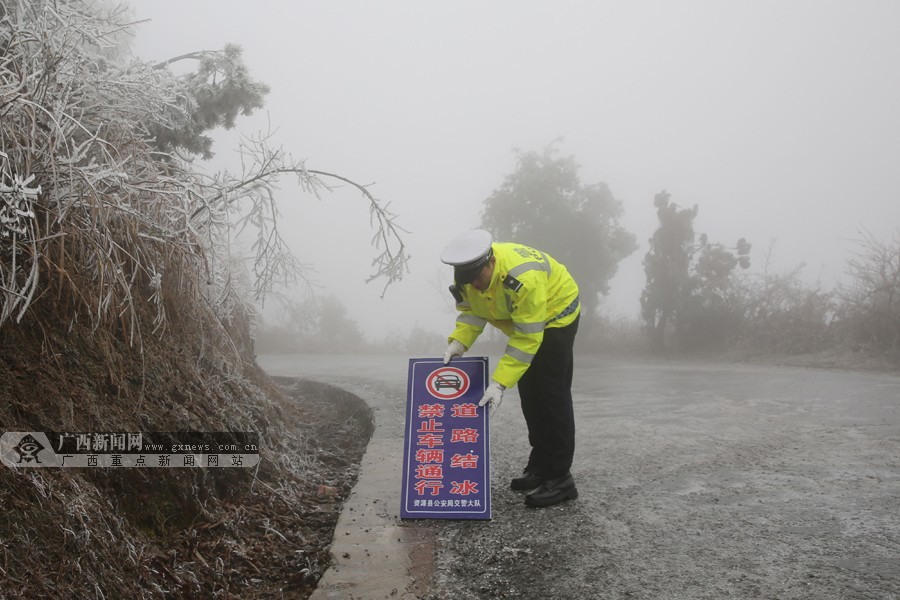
{"x":512,"y":283}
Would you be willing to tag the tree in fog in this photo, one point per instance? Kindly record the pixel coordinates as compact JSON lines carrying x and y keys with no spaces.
{"x":870,"y":307}
{"x":666,"y":266}
{"x":212,"y":96}
{"x":544,"y":204}
{"x":318,"y":324}
{"x":323,"y":325}
{"x":688,"y":279}
{"x":712,"y":306}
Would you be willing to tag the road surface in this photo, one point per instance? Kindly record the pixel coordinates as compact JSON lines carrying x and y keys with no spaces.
{"x":696,"y":480}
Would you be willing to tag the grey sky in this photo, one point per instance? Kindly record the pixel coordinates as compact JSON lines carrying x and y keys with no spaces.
{"x":780,"y":119}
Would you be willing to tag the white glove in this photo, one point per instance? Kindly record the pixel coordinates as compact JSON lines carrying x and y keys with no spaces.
{"x":493,"y":396}
{"x":455,"y":348}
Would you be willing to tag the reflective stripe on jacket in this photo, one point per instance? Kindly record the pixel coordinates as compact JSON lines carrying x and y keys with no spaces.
{"x":529,"y":291}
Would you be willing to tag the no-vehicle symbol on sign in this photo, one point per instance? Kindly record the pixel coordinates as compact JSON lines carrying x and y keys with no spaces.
{"x":447,"y":383}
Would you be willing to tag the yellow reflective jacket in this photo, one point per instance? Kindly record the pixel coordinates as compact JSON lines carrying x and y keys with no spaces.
{"x":529,"y":291}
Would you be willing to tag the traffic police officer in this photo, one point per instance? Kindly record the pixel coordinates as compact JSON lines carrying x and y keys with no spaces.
{"x":533,"y":299}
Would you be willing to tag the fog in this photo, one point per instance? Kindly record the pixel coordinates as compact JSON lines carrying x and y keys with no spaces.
{"x":780,"y":120}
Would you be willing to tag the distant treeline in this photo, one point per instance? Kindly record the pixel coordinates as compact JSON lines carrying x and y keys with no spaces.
{"x":776,"y":314}
{"x":759,"y":313}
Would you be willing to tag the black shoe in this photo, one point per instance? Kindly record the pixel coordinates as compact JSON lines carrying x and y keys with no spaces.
{"x":553,"y":492}
{"x":527,"y":482}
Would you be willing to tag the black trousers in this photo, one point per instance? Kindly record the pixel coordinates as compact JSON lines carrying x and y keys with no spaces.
{"x":546,"y":393}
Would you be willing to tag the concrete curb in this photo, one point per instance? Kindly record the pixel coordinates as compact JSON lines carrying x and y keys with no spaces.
{"x":375,"y":554}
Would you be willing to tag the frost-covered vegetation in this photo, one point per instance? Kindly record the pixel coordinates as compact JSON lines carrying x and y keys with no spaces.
{"x":98,"y":198}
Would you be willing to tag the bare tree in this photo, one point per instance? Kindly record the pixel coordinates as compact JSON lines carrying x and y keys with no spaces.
{"x":871,"y":301}
{"x":783,"y":314}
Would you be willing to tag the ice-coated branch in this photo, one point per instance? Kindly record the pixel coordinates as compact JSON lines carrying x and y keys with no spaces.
{"x":263,"y":166}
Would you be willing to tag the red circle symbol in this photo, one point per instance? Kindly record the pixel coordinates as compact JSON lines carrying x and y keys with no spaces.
{"x":447,"y":383}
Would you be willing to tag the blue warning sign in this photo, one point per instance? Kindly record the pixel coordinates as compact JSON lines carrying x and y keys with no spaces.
{"x":446,"y":458}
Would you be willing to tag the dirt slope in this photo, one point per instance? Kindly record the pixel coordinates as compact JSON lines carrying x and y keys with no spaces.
{"x":168,"y":533}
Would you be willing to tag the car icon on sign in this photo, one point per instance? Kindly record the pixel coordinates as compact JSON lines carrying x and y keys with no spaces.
{"x":448,"y":381}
